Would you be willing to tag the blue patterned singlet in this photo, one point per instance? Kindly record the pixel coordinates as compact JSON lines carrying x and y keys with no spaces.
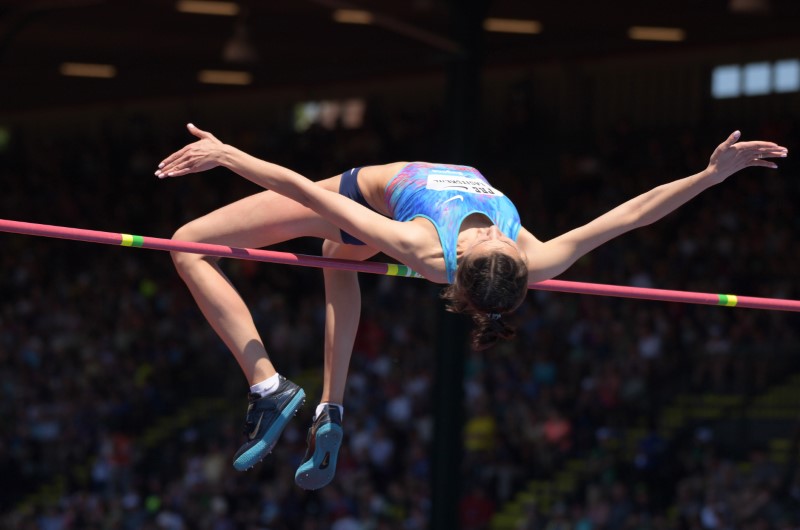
{"x":445,"y":195}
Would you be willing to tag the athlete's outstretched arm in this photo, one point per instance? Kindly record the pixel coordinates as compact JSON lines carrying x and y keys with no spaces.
{"x":549,"y":259}
{"x":386,"y":235}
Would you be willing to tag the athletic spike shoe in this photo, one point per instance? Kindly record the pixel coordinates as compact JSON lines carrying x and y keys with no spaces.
{"x":324,"y":439}
{"x":266,"y":418}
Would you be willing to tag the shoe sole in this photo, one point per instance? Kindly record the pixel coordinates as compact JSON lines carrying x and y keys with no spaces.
{"x":311,"y":475}
{"x":262,"y":448}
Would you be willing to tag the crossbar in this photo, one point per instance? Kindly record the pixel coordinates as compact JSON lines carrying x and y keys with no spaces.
{"x":387,"y":269}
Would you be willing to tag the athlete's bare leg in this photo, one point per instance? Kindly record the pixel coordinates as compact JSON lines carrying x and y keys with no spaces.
{"x":259,"y":220}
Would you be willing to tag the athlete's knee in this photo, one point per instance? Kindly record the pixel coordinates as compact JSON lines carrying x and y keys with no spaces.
{"x":185,"y":260}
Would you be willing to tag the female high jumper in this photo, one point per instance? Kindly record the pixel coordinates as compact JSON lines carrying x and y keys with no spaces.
{"x":444,"y":221}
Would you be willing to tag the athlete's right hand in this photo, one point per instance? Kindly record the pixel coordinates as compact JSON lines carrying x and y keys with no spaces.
{"x":198,"y":156}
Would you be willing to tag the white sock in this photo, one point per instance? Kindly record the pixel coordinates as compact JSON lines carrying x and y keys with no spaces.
{"x":266,"y":387}
{"x":321,"y":406}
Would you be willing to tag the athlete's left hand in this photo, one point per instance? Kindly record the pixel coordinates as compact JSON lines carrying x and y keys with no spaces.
{"x":199,"y":156}
{"x":730,"y":156}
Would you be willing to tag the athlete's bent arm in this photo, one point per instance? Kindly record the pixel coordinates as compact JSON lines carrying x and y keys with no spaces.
{"x":396,"y":239}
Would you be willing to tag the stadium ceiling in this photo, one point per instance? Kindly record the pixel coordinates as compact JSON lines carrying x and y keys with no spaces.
{"x":151,"y":48}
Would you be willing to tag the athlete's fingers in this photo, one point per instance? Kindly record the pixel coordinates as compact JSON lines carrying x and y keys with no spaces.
{"x":773,"y":152}
{"x":199,"y":132}
{"x":171,"y":158}
{"x":732,"y":139}
{"x":169,"y":170}
{"x":758,"y":162}
{"x":754,"y":150}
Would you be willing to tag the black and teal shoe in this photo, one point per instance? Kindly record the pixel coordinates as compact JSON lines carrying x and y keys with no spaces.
{"x":266,"y":418}
{"x":324,"y":439}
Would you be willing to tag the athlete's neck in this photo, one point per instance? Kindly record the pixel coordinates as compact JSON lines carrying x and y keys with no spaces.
{"x":469,"y":230}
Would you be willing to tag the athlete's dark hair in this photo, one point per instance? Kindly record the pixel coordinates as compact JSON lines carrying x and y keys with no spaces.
{"x":486,"y":287}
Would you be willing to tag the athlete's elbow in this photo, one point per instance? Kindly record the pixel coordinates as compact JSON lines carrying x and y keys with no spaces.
{"x":406,"y":245}
{"x":644,"y":219}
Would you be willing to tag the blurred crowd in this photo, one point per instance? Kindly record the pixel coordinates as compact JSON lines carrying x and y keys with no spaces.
{"x":107,"y":368}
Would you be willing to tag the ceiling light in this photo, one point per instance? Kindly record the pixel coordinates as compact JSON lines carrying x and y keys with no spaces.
{"x":103,"y":71}
{"x":353,"y":16}
{"x":512,"y":25}
{"x":208,"y":7}
{"x":225,"y":77}
{"x":656,"y":33}
{"x":749,"y":6}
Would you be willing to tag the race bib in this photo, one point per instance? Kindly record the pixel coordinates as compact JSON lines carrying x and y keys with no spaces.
{"x":450,"y":180}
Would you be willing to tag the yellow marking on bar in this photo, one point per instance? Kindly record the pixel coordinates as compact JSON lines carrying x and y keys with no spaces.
{"x":731,"y":301}
{"x":127,"y":240}
{"x":392,"y":269}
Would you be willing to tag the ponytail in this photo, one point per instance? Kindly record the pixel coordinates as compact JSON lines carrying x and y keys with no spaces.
{"x":489,"y":330}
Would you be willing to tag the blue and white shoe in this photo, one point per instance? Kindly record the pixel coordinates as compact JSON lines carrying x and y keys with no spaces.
{"x":324,"y":439}
{"x":266,"y":418}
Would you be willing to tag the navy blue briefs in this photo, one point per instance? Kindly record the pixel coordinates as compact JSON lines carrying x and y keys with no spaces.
{"x":348,"y":186}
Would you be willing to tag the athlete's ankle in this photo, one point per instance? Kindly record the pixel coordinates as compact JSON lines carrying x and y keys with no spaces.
{"x":322,"y":405}
{"x":267,"y":386}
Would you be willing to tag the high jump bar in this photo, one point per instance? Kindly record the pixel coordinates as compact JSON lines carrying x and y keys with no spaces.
{"x":386,"y":269}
